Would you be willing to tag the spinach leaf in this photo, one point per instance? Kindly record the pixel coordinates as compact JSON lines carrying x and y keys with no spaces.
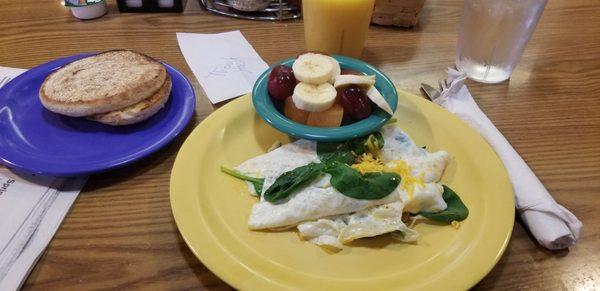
{"x":370,"y":186}
{"x":335,"y":158}
{"x":456,"y":209}
{"x":346,"y":152}
{"x":289,"y":181}
{"x":334,"y":151}
{"x":257,"y":183}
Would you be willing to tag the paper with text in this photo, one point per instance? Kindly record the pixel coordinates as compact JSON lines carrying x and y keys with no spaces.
{"x":225,"y":64}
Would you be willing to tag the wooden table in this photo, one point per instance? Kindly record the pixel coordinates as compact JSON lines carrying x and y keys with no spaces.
{"x":121,"y":234}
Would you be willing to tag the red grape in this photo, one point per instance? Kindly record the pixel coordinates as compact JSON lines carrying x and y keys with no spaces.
{"x":356,"y":102}
{"x":281,"y":82}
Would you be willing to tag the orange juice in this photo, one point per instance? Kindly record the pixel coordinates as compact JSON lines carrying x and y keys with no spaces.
{"x":336,"y":26}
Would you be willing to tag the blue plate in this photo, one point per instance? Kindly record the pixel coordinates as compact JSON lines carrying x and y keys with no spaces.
{"x":266,"y":109}
{"x":36,"y":140}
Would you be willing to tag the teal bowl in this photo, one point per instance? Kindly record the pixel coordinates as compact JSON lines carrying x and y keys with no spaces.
{"x":266,"y":109}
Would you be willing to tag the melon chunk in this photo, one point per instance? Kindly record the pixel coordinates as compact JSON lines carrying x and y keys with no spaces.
{"x":331,"y":117}
{"x":294,"y":113}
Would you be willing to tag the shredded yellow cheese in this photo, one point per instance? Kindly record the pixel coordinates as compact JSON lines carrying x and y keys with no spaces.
{"x":455,"y":224}
{"x":408,"y":181}
{"x":368,"y":164}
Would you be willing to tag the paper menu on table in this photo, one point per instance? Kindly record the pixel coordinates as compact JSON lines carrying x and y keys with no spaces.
{"x":6,"y":74}
{"x":18,"y":197}
{"x":225,"y":64}
{"x":35,"y":218}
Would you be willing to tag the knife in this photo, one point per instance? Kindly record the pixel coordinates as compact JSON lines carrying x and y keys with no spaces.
{"x":431,"y":92}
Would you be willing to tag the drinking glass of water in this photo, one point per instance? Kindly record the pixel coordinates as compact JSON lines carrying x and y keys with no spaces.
{"x":492,"y":36}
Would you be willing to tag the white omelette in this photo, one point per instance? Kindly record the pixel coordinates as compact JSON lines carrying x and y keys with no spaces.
{"x":325,"y":216}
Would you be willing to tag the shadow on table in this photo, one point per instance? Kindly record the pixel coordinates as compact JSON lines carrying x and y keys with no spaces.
{"x":547,"y":252}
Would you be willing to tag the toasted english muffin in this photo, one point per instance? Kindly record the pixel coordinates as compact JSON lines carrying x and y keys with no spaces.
{"x":102,"y":83}
{"x":137,"y":112}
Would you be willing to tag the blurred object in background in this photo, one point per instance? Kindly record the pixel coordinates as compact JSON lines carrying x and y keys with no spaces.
{"x":492,"y":36}
{"x":249,"y":5}
{"x":151,"y":5}
{"x":403,"y":13}
{"x":253,"y":9}
{"x":87,"y":9}
{"x":336,"y":26}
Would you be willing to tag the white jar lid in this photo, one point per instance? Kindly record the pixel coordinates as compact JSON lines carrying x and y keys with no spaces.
{"x":89,"y":11}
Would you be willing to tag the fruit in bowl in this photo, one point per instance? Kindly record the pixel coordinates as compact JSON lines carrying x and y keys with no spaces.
{"x":316,"y":92}
{"x":324,"y":98}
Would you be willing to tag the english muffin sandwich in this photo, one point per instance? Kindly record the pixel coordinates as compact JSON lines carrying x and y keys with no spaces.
{"x":116,"y":87}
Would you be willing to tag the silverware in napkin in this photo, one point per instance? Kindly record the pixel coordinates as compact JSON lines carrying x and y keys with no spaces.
{"x":431,"y":92}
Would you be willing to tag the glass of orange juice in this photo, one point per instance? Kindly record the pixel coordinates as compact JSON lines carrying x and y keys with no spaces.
{"x":337,"y":26}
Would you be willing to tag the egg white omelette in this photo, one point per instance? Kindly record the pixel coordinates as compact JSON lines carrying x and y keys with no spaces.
{"x":325,"y":216}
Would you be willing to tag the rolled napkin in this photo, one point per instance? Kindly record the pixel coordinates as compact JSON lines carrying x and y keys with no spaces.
{"x":553,"y":226}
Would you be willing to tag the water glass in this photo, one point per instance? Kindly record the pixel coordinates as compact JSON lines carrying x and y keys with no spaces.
{"x":492,"y":36}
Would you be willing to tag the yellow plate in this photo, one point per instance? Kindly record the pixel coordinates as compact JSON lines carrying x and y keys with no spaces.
{"x":211,"y":210}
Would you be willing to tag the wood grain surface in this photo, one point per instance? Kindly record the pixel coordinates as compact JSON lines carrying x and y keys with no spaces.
{"x":120,"y":232}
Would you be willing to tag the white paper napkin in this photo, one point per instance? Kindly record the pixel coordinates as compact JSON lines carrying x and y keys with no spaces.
{"x":551,"y":224}
{"x":225,"y":64}
{"x":31,"y":210}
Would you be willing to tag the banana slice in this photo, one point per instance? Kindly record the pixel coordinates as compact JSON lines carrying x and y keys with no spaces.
{"x":314,"y":98}
{"x":337,"y":70}
{"x":378,"y":99}
{"x":313,"y":68}
{"x":359,"y":80}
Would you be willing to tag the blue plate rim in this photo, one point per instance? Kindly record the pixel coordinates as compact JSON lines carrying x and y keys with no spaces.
{"x":264,"y":108}
{"x":186,"y":115}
